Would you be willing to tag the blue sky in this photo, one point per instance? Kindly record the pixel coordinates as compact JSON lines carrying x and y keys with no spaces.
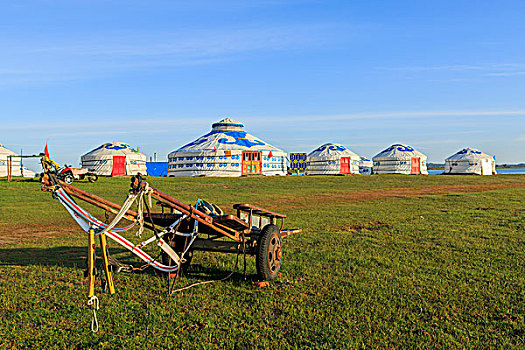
{"x":438,"y":75}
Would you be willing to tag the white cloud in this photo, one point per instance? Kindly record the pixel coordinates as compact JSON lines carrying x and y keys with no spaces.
{"x":91,"y":57}
{"x":462,"y":72}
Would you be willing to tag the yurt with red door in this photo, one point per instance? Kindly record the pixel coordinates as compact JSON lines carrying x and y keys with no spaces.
{"x":115,"y":158}
{"x":332,"y":159}
{"x":227,"y":150}
{"x":400,"y":159}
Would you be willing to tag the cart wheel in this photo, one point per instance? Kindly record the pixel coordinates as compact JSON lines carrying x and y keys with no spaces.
{"x":92,"y":177}
{"x":68,"y":179}
{"x":177,"y":244}
{"x":269,"y":253}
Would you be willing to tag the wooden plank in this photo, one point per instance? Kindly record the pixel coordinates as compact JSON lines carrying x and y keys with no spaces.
{"x":258,"y":210}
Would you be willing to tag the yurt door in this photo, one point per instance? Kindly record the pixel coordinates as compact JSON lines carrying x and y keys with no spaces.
{"x":486,"y":167}
{"x":415,"y":167}
{"x":345,"y":165}
{"x":119,"y":165}
{"x":251,"y":163}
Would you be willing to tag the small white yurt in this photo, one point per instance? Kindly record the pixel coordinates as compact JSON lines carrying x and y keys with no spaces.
{"x":365,"y":166}
{"x":470,"y":161}
{"x":115,"y":158}
{"x":332,"y":159}
{"x":400,"y":159}
{"x":227,"y":150}
{"x":16,"y":168}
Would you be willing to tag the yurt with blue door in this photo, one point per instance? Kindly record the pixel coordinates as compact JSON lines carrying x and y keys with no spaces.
{"x":115,"y":158}
{"x":470,"y":161}
{"x":400,"y":159}
{"x":332,"y":159}
{"x":227,"y":150}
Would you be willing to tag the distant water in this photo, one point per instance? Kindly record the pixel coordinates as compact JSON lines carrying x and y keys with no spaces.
{"x":499,"y":171}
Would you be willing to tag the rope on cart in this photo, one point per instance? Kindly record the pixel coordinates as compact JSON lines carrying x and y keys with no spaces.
{"x":84,"y":219}
{"x":95,"y":305}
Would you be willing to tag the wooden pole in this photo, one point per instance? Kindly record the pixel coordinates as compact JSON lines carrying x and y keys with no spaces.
{"x":9,"y":161}
{"x":91,"y":262}
{"x":105,"y":261}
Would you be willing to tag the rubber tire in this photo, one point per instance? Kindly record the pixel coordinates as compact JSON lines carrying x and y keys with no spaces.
{"x":68,"y":179}
{"x":269,"y":233}
{"x":92,"y":178}
{"x":177,"y":244}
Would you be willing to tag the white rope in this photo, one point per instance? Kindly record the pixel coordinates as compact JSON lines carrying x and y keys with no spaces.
{"x":123,"y":210}
{"x":140,"y":207}
{"x":95,"y":305}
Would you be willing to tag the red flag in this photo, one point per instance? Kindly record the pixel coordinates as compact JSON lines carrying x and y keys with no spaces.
{"x":214,"y":149}
{"x":270,"y":155}
{"x":46,"y":151}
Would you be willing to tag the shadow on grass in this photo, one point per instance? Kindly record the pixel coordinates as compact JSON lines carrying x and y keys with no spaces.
{"x":64,"y":256}
{"x":21,"y":179}
{"x":75,"y":257}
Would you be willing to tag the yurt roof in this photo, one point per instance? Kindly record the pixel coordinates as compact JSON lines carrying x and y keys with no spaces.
{"x":112,"y":148}
{"x":6,"y":151}
{"x":331,"y":151}
{"x":399,"y":151}
{"x":227,"y":134}
{"x":365,"y":161}
{"x":469,"y":154}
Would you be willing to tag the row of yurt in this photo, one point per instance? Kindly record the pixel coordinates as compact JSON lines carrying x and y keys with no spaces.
{"x":470,"y":161}
{"x":227,"y":150}
{"x":332,"y":158}
{"x":115,"y":158}
{"x":16,"y":164}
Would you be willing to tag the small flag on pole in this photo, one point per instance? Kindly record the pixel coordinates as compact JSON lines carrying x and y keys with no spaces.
{"x":46,"y":151}
{"x":214,"y":149}
{"x":270,"y":155}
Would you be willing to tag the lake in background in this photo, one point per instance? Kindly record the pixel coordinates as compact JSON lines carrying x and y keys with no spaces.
{"x":499,"y":171}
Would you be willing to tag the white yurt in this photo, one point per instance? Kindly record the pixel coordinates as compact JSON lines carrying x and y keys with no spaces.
{"x":332,"y":159}
{"x":115,"y":158}
{"x":400,"y":159}
{"x":470,"y":161}
{"x":227,"y":150}
{"x":16,"y":168}
{"x":365,"y":166}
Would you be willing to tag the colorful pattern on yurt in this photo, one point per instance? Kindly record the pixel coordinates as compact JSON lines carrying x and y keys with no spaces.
{"x":227,"y":150}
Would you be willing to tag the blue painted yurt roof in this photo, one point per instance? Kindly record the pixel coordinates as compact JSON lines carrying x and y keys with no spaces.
{"x":227,"y":134}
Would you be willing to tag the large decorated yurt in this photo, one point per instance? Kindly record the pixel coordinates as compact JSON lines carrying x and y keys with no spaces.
{"x":400,"y":159}
{"x":365,"y":166}
{"x":470,"y":161}
{"x":16,"y":165}
{"x":115,"y":158}
{"x":227,"y":150}
{"x":332,"y":159}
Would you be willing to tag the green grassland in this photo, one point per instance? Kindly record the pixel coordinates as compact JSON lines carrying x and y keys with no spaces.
{"x":383,"y":262}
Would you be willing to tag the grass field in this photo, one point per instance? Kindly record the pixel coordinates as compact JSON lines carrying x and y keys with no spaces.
{"x":383,"y":262}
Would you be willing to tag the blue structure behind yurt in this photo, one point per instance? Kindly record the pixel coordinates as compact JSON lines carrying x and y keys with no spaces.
{"x":227,"y":150}
{"x":157,"y":168}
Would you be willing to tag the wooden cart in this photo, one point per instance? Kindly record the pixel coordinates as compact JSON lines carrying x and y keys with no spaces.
{"x":178,"y":228}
